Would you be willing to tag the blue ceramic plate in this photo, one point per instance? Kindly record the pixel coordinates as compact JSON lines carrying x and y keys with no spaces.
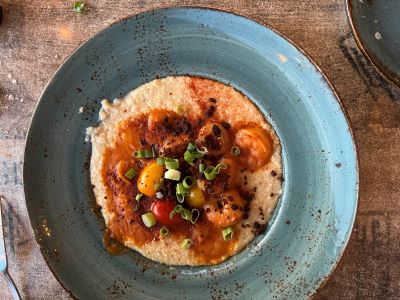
{"x":376,"y":28}
{"x":312,"y":223}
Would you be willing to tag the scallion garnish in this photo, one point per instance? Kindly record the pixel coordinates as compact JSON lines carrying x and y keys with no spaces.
{"x":188,"y":182}
{"x":145,"y":153}
{"x":181,"y":189}
{"x":164,"y":231}
{"x":211,"y":172}
{"x":201,"y":168}
{"x":79,"y":7}
{"x":186,"y":244}
{"x":159,"y":185}
{"x":138,"y":196}
{"x":191,"y":147}
{"x":192,"y":153}
{"x":185,"y":214}
{"x":227,"y":233}
{"x":195,"y":215}
{"x":204,"y":151}
{"x":172,"y":164}
{"x":161,"y":161}
{"x":130,"y":173}
{"x":159,"y":195}
{"x":235,"y":150}
{"x":180,"y":198}
{"x":148,"y":219}
{"x":172,"y":175}
{"x":177,"y":210}
{"x":189,"y":157}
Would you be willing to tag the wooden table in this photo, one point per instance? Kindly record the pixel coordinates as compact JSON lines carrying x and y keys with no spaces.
{"x":36,"y":37}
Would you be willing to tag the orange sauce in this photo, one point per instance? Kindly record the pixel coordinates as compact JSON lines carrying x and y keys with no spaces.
{"x":134,"y":134}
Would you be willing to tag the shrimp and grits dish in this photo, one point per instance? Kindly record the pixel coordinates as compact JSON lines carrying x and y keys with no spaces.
{"x":186,"y":170}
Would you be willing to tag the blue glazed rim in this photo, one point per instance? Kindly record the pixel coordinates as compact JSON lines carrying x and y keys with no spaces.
{"x":321,"y":280}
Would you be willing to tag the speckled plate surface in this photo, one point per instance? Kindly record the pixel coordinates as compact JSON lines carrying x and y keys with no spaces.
{"x":309,"y":229}
{"x":376,"y":28}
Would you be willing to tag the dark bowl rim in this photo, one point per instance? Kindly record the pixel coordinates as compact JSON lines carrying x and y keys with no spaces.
{"x":378,"y":66}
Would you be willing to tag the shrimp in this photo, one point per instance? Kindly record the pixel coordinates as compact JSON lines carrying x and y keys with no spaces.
{"x":226,"y":211}
{"x":214,"y":138}
{"x":256,"y":147}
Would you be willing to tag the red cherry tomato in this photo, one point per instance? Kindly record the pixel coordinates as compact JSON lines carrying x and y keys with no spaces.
{"x":161,"y":211}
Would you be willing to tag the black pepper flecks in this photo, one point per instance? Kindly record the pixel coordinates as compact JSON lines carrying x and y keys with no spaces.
{"x":210,"y":111}
{"x":259,"y":228}
{"x":226,"y":125}
{"x":216,"y":130}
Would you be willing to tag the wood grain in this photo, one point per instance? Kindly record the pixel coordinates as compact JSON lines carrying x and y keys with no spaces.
{"x":35,"y":38}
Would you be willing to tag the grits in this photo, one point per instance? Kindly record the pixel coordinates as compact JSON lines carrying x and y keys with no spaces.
{"x":189,"y":97}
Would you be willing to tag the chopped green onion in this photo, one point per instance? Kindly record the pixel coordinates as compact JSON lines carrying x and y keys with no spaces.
{"x":193,"y":153}
{"x":161,"y":161}
{"x":188,"y":182}
{"x":172,"y":164}
{"x":227,"y":233}
{"x":159,"y":185}
{"x":195,"y":215}
{"x":186,"y":215}
{"x":138,"y":196}
{"x":191,"y":147}
{"x":164,"y":231}
{"x":235,"y":150}
{"x":189,"y":157}
{"x":139,"y":154}
{"x":180,"y":198}
{"x":211,"y":172}
{"x":79,"y":6}
{"x":159,"y":195}
{"x":131,"y":173}
{"x":148,"y":219}
{"x":205,"y":151}
{"x":173,"y":175}
{"x":145,"y":153}
{"x":181,"y":189}
{"x":178,"y":209}
{"x":201,"y":168}
{"x":181,"y":192}
{"x":136,"y":207}
{"x":219,"y":167}
{"x":186,"y":244}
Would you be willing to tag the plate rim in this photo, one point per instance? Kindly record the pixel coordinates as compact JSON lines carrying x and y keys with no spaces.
{"x":386,"y":74}
{"x":322,"y":280}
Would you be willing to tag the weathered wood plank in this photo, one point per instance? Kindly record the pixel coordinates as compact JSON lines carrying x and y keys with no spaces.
{"x":36,"y":36}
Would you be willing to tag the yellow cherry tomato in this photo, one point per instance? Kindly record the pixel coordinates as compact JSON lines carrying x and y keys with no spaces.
{"x":196,"y":198}
{"x":149,"y":177}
